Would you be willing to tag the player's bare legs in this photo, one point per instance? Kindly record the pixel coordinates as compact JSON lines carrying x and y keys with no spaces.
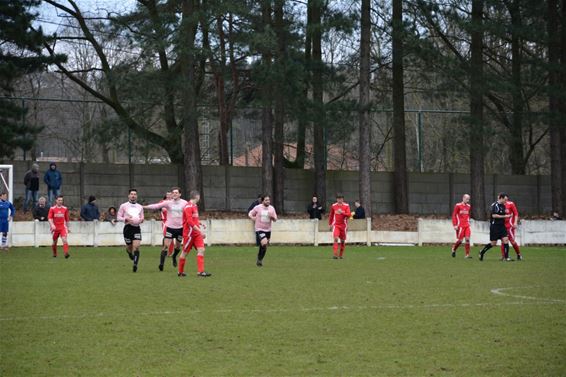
{"x":178,"y":246}
{"x":467,"y":247}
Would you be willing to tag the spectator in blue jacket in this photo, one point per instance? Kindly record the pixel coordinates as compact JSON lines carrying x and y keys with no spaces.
{"x":53,"y":179}
{"x":90,"y":212}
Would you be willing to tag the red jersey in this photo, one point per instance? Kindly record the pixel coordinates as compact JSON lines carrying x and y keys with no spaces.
{"x":59,"y":215}
{"x":190,"y":217}
{"x":511,"y":208}
{"x":461,"y":215}
{"x":339,"y":214}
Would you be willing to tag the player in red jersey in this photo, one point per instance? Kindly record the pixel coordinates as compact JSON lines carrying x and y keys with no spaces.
{"x":511,"y":226}
{"x":338,"y":222}
{"x":461,"y":223}
{"x":163,"y":221}
{"x":58,"y":218}
{"x":192,"y":236}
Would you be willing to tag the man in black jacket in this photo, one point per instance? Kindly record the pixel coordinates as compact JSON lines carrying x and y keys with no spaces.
{"x":315,"y":209}
{"x":360,"y":211}
{"x":31,"y":181}
{"x":41,"y":211}
{"x":90,"y":212}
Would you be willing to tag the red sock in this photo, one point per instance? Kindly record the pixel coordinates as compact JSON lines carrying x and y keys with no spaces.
{"x":502,"y":250}
{"x":335,"y":249}
{"x":171,"y":247}
{"x":456,"y":245}
{"x":467,"y":247}
{"x":516,"y":247}
{"x":66,"y":248}
{"x":182,"y":264}
{"x":54,"y":248}
{"x":200,"y":263}
{"x":342,"y":247}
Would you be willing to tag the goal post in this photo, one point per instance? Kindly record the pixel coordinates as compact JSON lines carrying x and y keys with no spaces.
{"x":7,"y":181}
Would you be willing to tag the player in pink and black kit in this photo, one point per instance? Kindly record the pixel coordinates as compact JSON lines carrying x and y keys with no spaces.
{"x":163,"y":221}
{"x":173,"y":224}
{"x":131,"y":214}
{"x":511,"y":226}
{"x":263,"y":215}
{"x":58,"y":218}
{"x":338,"y":222}
{"x":192,"y":236}
{"x":461,"y":223}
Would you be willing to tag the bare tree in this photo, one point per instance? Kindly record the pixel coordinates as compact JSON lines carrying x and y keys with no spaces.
{"x":364,"y":109}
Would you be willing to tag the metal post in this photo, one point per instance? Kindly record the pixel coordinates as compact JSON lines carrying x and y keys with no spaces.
{"x":231,"y":145}
{"x":130,"y":167}
{"x":420,"y":163}
{"x":24,"y":121}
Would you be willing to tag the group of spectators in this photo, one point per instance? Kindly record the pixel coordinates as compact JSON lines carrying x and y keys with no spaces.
{"x":316,"y":209}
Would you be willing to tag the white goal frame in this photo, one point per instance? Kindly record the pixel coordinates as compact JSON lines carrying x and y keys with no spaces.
{"x":10,"y":184}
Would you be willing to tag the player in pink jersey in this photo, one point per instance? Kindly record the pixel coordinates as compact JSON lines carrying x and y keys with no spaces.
{"x":338,"y":222}
{"x":131,"y":214}
{"x":461,"y":223}
{"x":263,"y":215}
{"x":511,"y":224}
{"x":58,"y":218}
{"x":192,"y":237}
{"x":163,"y":221}
{"x":173,"y":224}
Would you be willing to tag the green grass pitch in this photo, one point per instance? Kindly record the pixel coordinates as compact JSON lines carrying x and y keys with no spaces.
{"x":397,"y":311}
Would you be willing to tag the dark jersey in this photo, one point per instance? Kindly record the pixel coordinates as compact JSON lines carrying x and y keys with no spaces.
{"x":498,"y":209}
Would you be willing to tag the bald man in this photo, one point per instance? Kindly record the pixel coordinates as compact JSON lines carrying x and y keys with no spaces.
{"x":461,"y":224}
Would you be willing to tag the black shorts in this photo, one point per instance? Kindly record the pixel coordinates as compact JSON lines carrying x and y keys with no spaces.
{"x":174,"y":234}
{"x":260,"y":236}
{"x":131,"y":233}
{"x":497,"y":232}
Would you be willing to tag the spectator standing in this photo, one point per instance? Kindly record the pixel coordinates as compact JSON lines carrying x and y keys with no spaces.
{"x":360,"y":212}
{"x":255,"y":202}
{"x":315,"y":209}
{"x":111,"y":215}
{"x":53,"y":179}
{"x":31,"y":181}
{"x":89,"y":211}
{"x":41,"y":211}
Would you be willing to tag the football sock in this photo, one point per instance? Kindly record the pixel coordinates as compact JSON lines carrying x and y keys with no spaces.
{"x":177,"y":251}
{"x":66,"y":248}
{"x":506,"y":246}
{"x":467,"y":248}
{"x":486,"y":248}
{"x":171,"y":248}
{"x":200,"y":263}
{"x":136,"y":257}
{"x":182,"y":264}
{"x":502,"y":250}
{"x":54,"y":248}
{"x":335,"y":249}
{"x":342,"y":247}
{"x":456,"y":245}
{"x":162,"y":257}
{"x":4,"y":240}
{"x":516,"y":247}
{"x":261,"y":252}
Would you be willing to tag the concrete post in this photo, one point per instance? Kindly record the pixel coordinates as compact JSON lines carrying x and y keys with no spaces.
{"x":35,"y":233}
{"x":368,"y":230}
{"x":208,"y":224}
{"x":419,"y":228}
{"x":95,"y":225}
{"x":152,"y":230}
{"x":315,"y":232}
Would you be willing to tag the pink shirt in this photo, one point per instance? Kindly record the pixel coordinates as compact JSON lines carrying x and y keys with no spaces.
{"x":263,"y":217}
{"x":131,"y":211}
{"x":174,"y":212}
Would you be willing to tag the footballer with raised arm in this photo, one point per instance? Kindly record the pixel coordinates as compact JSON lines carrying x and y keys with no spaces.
{"x":131,"y":214}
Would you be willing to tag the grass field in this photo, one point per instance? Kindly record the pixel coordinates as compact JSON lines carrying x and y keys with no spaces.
{"x":380,"y":311}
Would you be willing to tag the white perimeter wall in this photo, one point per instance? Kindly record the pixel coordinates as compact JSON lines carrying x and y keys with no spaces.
{"x":307,"y":232}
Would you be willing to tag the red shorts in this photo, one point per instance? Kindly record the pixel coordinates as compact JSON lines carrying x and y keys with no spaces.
{"x":59,"y":232}
{"x":339,"y":231}
{"x":511,"y":233}
{"x":463,"y":232}
{"x":192,"y":239}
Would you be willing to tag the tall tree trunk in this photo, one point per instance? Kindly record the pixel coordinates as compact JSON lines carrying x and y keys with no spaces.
{"x":554,"y":104}
{"x":477,"y":149}
{"x":563,"y":105}
{"x":192,"y":159}
{"x":220,"y":84}
{"x":267,"y":114}
{"x":364,"y":111}
{"x":399,"y":147}
{"x":516,"y":155}
{"x":318,"y":102}
{"x":279,"y":94}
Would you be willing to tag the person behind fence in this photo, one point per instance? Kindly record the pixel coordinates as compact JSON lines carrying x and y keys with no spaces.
{"x":31,"y":181}
{"x":255,"y":202}
{"x":315,"y":209}
{"x":111,"y":215}
{"x":89,"y":211}
{"x":53,"y":179}
{"x":41,"y":211}
{"x":7,"y":212}
{"x":360,"y":212}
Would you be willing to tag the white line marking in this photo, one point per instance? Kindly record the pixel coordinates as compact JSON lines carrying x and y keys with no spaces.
{"x":501,"y":292}
{"x":280,"y":310}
